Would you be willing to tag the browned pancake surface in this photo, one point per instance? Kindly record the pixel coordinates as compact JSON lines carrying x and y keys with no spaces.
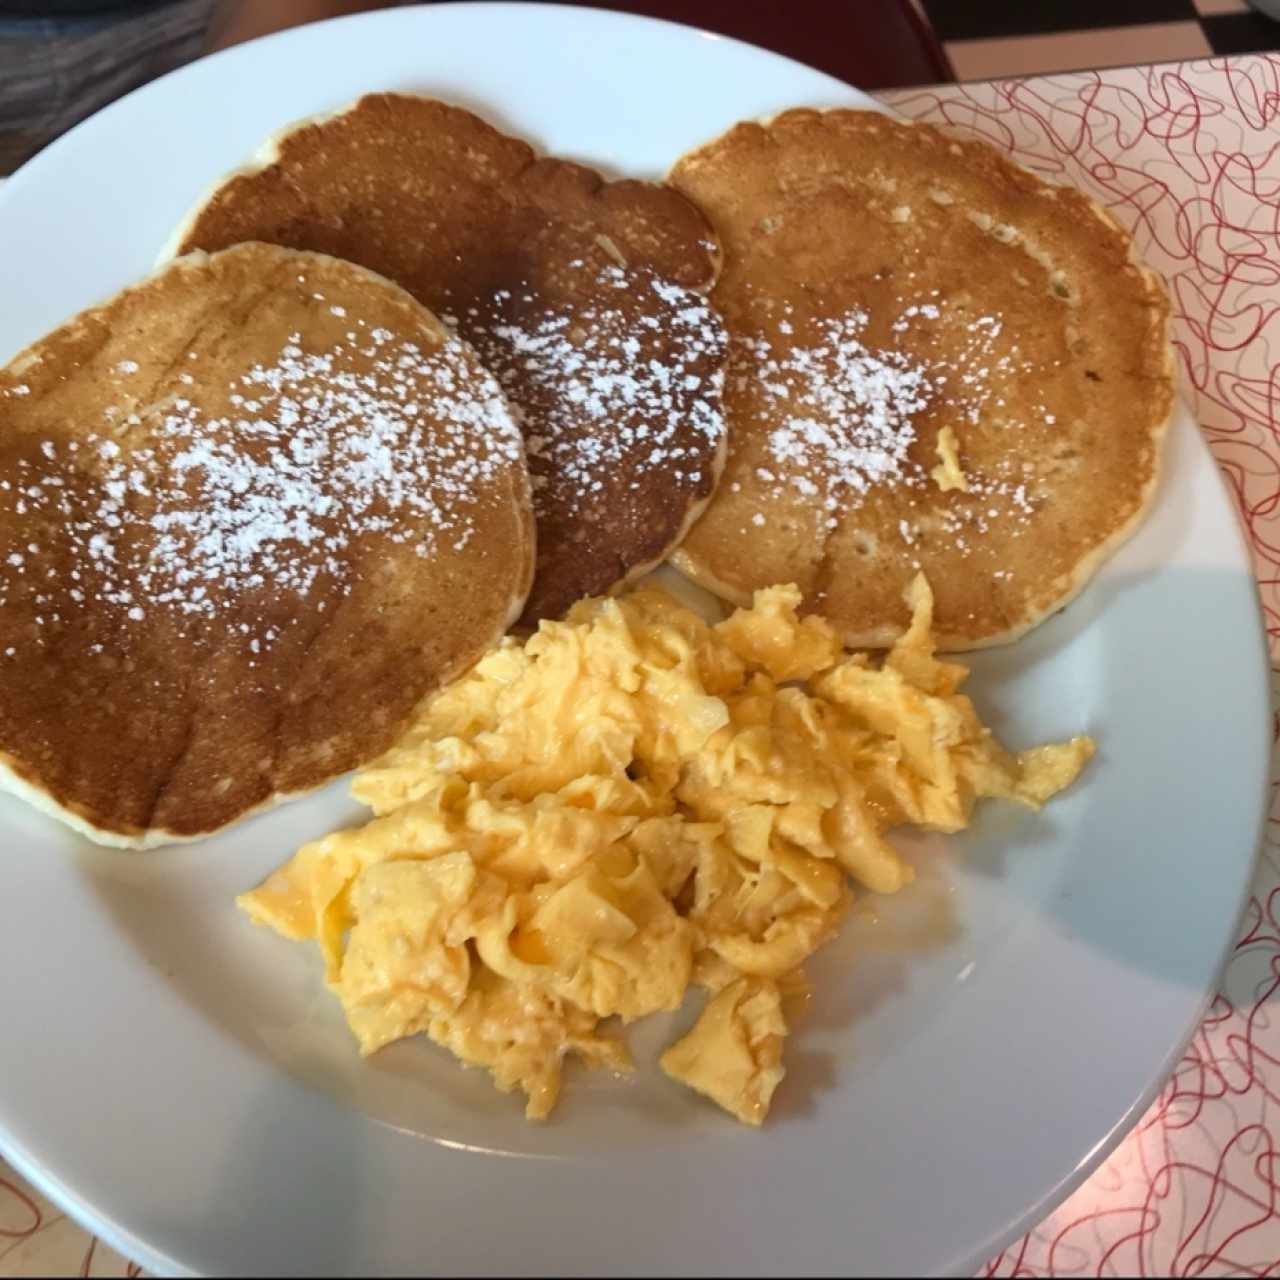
{"x":251,"y":511}
{"x":586,"y":298}
{"x":883,"y":282}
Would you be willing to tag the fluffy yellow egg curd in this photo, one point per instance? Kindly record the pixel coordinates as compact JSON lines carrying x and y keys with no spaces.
{"x":629,"y":803}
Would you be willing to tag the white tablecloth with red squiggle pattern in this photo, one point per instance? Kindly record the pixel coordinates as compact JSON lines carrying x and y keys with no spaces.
{"x":1188,"y":156}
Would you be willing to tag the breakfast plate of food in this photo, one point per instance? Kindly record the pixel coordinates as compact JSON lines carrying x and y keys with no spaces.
{"x":610,"y":660}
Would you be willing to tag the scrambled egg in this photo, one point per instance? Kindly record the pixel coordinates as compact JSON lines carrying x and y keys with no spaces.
{"x":947,"y":474}
{"x":631,"y":802}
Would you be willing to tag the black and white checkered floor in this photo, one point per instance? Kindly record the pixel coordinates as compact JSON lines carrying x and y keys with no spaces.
{"x":986,"y":39}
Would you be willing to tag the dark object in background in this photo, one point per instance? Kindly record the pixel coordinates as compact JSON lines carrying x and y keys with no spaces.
{"x":997,"y":19}
{"x":74,"y":58}
{"x":1227,"y":28}
{"x":1252,"y":32}
{"x":873,"y":44}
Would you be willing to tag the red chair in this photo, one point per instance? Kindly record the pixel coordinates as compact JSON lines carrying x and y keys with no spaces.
{"x":873,"y":44}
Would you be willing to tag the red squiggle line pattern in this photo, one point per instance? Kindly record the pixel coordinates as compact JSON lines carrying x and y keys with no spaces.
{"x":19,"y":1209}
{"x":37,"y":1240}
{"x":1188,"y":157}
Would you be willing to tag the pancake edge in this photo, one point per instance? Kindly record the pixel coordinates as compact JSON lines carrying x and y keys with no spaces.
{"x":946,"y":641}
{"x":268,"y":152}
{"x":691,"y":518}
{"x":12,"y":783}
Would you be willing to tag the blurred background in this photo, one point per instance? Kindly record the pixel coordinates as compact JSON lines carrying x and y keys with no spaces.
{"x":61,"y":60}
{"x":987,"y":41}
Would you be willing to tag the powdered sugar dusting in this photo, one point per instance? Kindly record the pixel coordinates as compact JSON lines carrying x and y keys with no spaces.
{"x":609,"y":389}
{"x":843,"y":414}
{"x":847,"y":408}
{"x":319,"y":448}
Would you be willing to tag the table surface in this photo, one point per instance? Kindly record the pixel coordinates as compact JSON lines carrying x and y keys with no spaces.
{"x":1187,"y":155}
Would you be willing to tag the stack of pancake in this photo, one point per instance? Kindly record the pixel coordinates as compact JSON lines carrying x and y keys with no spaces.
{"x":404,"y":383}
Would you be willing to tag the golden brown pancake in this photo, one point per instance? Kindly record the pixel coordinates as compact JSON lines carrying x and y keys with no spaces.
{"x":251,"y":511}
{"x":882,"y":283}
{"x":586,"y":297}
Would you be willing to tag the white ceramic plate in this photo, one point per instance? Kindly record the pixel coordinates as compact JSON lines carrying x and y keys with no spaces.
{"x":180,"y":1081}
